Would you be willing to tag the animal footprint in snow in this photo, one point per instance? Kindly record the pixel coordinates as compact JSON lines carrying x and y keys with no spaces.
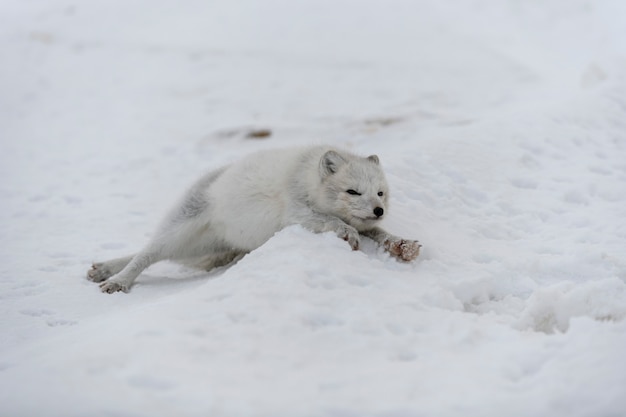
{"x":61,"y":322}
{"x":36,"y":312}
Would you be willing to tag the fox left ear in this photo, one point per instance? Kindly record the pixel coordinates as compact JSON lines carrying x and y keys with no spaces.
{"x":374,"y":159}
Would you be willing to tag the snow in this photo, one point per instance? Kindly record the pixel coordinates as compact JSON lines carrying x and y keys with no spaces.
{"x":501,"y":126}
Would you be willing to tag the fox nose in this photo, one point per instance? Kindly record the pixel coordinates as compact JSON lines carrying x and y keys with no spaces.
{"x":378,"y":211}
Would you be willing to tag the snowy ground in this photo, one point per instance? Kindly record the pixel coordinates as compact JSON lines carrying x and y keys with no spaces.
{"x":501,"y":125}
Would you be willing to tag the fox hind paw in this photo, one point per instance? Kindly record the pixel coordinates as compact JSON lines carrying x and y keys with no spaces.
{"x":98,"y":273}
{"x":112,"y":286}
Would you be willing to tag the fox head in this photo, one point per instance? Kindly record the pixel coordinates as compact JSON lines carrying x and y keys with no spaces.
{"x":353,"y":189}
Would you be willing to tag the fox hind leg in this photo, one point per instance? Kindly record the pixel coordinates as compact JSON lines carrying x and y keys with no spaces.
{"x":101,"y":271}
{"x":215,"y":260}
{"x":123,"y":280}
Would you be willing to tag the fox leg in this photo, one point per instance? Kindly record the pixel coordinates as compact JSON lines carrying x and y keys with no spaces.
{"x":123,"y":280}
{"x":319,"y":223}
{"x":101,"y":271}
{"x":403,"y":249}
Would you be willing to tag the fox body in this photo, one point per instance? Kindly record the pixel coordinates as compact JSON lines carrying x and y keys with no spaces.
{"x":235,"y":209}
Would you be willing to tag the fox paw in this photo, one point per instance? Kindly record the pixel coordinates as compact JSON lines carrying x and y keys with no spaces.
{"x":98,"y":273}
{"x":112,"y":286}
{"x":350,"y":235}
{"x":405,"y":250}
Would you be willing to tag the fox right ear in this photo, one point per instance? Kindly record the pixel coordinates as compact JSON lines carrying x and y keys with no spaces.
{"x":374,"y":159}
{"x":330,"y":163}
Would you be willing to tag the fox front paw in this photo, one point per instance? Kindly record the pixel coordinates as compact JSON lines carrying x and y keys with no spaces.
{"x":405,"y":250}
{"x":350,"y":235}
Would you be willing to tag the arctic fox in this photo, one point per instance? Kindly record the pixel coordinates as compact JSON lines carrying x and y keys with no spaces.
{"x":235,"y":209}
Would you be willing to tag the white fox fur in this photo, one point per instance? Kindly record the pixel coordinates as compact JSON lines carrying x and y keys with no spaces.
{"x":235,"y":209}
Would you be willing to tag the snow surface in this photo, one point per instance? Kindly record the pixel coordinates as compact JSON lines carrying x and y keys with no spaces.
{"x":501,"y":125}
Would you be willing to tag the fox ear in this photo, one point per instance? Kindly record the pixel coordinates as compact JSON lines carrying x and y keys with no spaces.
{"x":330,"y":163}
{"x":374,"y":159}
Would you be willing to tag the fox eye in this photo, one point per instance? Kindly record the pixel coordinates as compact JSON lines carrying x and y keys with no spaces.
{"x":352,"y":192}
{"x":380,"y":193}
